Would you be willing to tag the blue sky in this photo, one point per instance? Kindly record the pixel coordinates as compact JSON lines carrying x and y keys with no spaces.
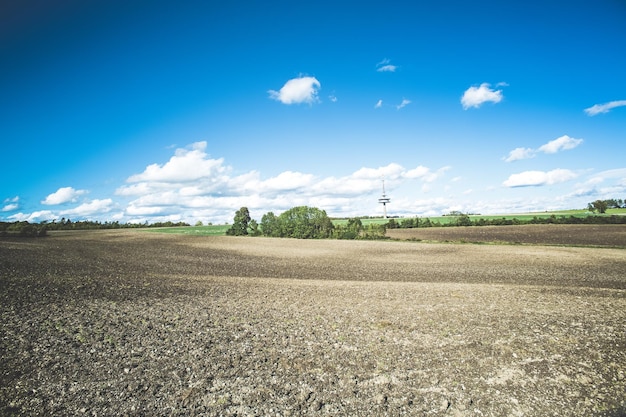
{"x":185,"y":111}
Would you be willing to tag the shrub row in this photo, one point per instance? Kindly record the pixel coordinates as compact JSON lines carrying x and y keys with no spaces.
{"x":465,"y":220}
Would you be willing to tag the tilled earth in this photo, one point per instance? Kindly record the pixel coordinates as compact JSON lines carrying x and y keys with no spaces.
{"x":136,"y":323}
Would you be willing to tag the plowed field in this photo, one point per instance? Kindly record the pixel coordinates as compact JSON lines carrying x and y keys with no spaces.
{"x":135,"y":323}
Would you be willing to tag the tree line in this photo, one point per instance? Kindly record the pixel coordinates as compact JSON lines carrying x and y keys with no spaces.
{"x":26,"y":229}
{"x":302,"y":222}
{"x":601,"y":206}
{"x":305,"y":222}
{"x":466,"y":220}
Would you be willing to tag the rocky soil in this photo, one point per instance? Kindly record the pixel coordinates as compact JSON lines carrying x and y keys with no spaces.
{"x":135,"y":323}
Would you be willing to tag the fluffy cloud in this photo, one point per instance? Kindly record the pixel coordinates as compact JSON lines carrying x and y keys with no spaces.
{"x":603,"y":185}
{"x":161,"y":191}
{"x":562,"y":143}
{"x":297,"y":90}
{"x":10,"y":207}
{"x":63,"y":195}
{"x":476,"y":96}
{"x":90,"y":208}
{"x":186,"y":165}
{"x":539,"y":178}
{"x":604,"y":108}
{"x":385,"y":66}
{"x":34,"y":217}
{"x":379,"y":104}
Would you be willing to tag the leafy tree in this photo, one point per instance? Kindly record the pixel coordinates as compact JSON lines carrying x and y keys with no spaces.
{"x":254,"y":228}
{"x":392,"y":224}
{"x":240,"y":223}
{"x":352,"y":230}
{"x":409,"y":223}
{"x":463,"y":220}
{"x":375,"y":231}
{"x":305,"y":223}
{"x":270,"y":225}
{"x":598,"y":205}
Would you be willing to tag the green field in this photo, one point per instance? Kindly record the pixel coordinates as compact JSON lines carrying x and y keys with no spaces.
{"x":519,"y":216}
{"x":216,"y":230}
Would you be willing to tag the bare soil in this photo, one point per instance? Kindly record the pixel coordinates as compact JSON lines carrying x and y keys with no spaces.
{"x":601,"y":235}
{"x":135,"y":323}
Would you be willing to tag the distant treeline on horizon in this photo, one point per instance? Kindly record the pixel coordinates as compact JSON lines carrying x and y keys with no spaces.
{"x":26,"y":229}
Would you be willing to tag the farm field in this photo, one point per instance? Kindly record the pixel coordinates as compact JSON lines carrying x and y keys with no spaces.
{"x":602,"y":235}
{"x":132,"y":323}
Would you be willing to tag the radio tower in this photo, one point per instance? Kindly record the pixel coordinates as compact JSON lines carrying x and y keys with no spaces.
{"x":384,"y":200}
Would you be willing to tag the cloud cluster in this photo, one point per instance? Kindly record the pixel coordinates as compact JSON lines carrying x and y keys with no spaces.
{"x":604,"y":108}
{"x":476,"y":96}
{"x":193,"y":185}
{"x":559,"y":144}
{"x":297,"y":90}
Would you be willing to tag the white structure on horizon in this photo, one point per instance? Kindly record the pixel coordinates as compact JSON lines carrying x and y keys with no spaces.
{"x":384,"y":200}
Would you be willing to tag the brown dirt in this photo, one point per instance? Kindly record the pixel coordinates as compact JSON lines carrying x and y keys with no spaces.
{"x":135,"y":323}
{"x":602,"y":235}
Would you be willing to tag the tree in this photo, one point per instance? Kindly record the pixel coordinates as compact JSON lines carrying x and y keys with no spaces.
{"x":240,"y":223}
{"x":463,"y":220}
{"x":269,"y":225}
{"x":599,"y":205}
{"x":305,"y":223}
{"x":352,"y":230}
{"x":254,"y":228}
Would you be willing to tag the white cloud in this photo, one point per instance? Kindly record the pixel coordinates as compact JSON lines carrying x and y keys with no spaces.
{"x":186,"y":165}
{"x":11,"y":204}
{"x":604,"y":108}
{"x":164,"y":190}
{"x":34,"y":217}
{"x":10,"y":207}
{"x":404,"y":103}
{"x":332,"y":98}
{"x":476,"y":96}
{"x":63,"y":195}
{"x":297,"y":90}
{"x":562,"y":143}
{"x":418,"y":172}
{"x":385,"y":66}
{"x":379,"y":104}
{"x":520,"y":153}
{"x":392,"y":170}
{"x":90,"y":208}
{"x":286,"y":181}
{"x":539,"y":178}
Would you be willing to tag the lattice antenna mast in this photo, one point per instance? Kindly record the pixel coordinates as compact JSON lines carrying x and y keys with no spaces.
{"x":384,"y":200}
